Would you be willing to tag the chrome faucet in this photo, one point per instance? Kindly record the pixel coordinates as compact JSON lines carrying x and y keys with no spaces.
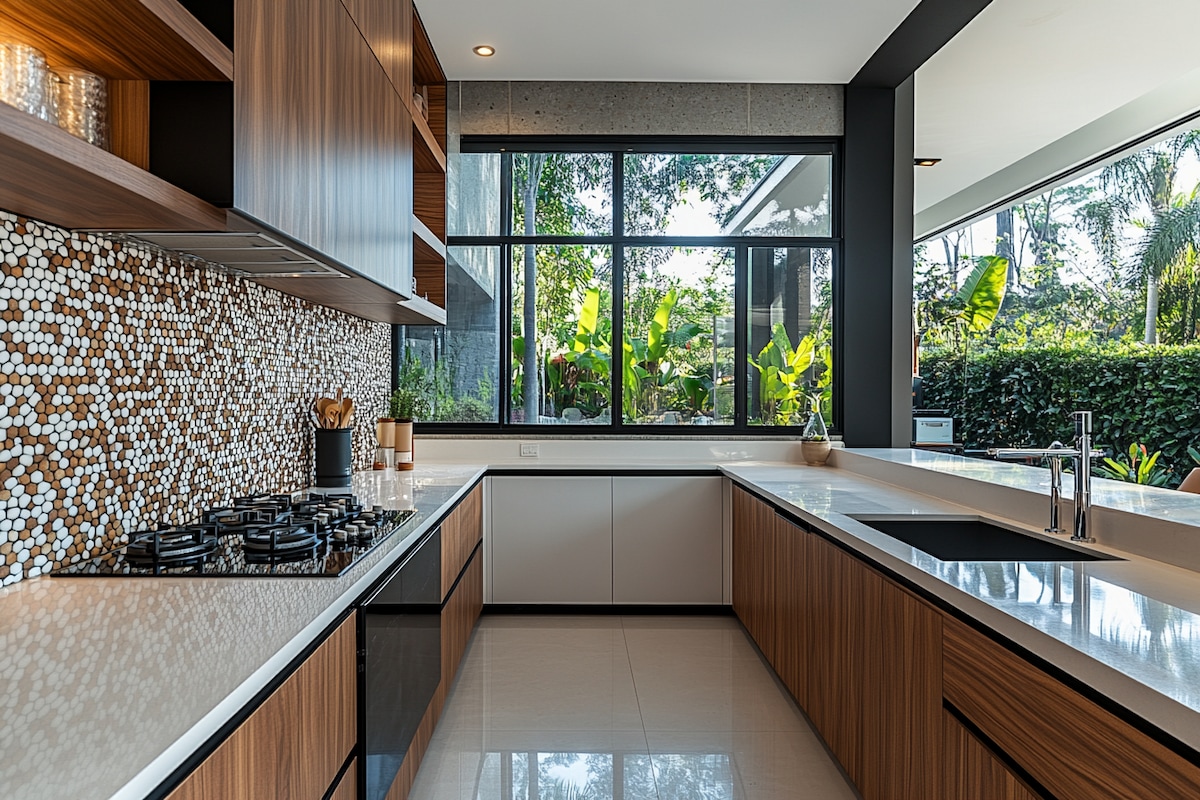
{"x":1081,"y":455}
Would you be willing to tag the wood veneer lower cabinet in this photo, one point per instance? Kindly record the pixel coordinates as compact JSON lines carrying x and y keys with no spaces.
{"x":789,"y":603}
{"x":459,"y":616}
{"x":462,"y":530}
{"x":753,"y":576}
{"x":295,"y":743}
{"x":861,"y":655}
{"x":1065,"y":742}
{"x":972,"y":771}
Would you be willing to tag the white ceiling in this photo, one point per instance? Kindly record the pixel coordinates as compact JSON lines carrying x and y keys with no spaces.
{"x":761,"y":41}
{"x":1032,"y":87}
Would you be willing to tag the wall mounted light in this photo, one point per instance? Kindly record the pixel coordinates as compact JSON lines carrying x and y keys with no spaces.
{"x":925,"y":162}
{"x":484,"y":50}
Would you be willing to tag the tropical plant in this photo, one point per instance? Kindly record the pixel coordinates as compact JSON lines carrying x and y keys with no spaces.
{"x":647,"y":368}
{"x":1140,"y":467}
{"x":782,"y":371}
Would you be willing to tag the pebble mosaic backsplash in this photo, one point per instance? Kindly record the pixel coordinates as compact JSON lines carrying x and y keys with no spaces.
{"x":138,"y":389}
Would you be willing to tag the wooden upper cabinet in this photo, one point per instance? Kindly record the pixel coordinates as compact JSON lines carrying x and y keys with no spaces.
{"x":388,"y":29}
{"x":322,"y":141}
{"x":1067,"y":743}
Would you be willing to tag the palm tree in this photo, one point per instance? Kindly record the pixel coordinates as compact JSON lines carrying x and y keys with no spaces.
{"x":1171,"y":241}
{"x":1145,"y":179}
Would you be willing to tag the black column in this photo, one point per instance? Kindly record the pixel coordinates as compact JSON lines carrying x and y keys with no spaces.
{"x":876,"y":281}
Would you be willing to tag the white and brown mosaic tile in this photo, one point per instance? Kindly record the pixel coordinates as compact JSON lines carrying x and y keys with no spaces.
{"x":137,"y":389}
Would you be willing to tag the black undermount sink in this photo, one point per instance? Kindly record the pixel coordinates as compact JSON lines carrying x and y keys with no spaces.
{"x":977,"y":540}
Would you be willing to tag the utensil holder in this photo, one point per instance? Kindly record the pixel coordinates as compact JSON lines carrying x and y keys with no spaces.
{"x":333,"y":456}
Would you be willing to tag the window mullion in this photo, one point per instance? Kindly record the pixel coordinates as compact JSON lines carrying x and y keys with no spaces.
{"x":617,"y":359}
{"x":741,"y":325}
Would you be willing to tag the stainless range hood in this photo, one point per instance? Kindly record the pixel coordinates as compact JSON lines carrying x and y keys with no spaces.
{"x":253,"y":255}
{"x":257,"y":252}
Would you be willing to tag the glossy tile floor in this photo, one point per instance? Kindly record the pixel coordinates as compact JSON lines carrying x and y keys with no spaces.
{"x":621,"y":708}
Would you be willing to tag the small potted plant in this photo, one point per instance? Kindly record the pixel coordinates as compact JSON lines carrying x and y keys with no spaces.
{"x":814,"y":440}
{"x":408,"y":403}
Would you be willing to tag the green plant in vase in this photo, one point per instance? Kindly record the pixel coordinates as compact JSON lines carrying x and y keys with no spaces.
{"x":814,"y":440}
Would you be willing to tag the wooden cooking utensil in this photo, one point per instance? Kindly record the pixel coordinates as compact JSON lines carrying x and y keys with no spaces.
{"x":347,"y":411}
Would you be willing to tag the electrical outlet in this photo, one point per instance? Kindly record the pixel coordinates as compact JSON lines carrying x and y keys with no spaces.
{"x":529,"y":450}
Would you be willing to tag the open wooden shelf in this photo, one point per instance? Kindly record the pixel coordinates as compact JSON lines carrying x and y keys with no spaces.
{"x":429,"y":246}
{"x":426,"y":67}
{"x":429,"y":264}
{"x":120,"y":39}
{"x":49,"y":175}
{"x":419,"y":311}
{"x":428,"y":155}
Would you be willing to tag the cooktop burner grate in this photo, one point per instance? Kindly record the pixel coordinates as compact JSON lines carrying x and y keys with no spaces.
{"x":259,"y":535}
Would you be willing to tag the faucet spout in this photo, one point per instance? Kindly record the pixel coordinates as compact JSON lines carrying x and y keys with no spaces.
{"x":1055,"y":454}
{"x":1081,"y":456}
{"x":1083,"y":477}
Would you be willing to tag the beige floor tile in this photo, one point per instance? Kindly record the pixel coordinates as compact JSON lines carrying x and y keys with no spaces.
{"x":576,"y":696}
{"x":711,"y":694}
{"x":661,"y":639}
{"x":740,"y":765}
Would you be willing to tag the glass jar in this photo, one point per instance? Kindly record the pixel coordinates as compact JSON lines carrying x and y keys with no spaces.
{"x":83,"y":105}
{"x":23,"y":77}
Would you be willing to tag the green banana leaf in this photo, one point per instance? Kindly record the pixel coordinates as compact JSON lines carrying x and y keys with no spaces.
{"x":656,"y":340}
{"x":589,"y":319}
{"x":983,"y":292}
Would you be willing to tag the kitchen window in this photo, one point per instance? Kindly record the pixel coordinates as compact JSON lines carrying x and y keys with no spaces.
{"x":619,"y":286}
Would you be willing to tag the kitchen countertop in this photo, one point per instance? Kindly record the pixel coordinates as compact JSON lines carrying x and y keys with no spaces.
{"x":110,"y":684}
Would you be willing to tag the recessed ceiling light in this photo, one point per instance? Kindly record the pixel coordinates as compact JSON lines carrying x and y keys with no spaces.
{"x":484,"y":50}
{"x":925,"y":162}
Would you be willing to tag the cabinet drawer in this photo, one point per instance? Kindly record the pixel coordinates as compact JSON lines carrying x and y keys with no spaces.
{"x":1066,"y":742}
{"x":462,"y":530}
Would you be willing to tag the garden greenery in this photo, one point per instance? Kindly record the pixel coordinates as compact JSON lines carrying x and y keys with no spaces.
{"x":1022,"y":397}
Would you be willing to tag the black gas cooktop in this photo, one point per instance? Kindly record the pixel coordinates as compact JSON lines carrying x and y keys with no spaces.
{"x":262,"y":535}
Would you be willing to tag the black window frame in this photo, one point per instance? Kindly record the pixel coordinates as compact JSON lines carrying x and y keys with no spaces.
{"x":619,"y":241}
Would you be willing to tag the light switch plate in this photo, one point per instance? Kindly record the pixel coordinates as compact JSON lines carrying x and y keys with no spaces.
{"x":529,"y":449}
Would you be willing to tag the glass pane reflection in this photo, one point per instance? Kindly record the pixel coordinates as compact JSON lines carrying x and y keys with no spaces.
{"x":506,"y":775}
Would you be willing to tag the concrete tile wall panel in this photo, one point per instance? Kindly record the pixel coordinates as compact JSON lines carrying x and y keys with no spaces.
{"x":138,"y":389}
{"x":556,"y":108}
{"x":484,"y":107}
{"x":779,"y":109}
{"x":693,"y":109}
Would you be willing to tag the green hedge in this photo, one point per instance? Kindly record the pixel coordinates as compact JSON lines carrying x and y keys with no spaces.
{"x":1023,"y":398}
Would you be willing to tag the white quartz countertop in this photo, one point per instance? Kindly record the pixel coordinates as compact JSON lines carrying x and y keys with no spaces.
{"x":1128,"y":628}
{"x":111,"y":683}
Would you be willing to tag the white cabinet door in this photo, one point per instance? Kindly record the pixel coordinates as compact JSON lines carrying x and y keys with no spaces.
{"x":551,"y":540}
{"x":667,"y":540}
